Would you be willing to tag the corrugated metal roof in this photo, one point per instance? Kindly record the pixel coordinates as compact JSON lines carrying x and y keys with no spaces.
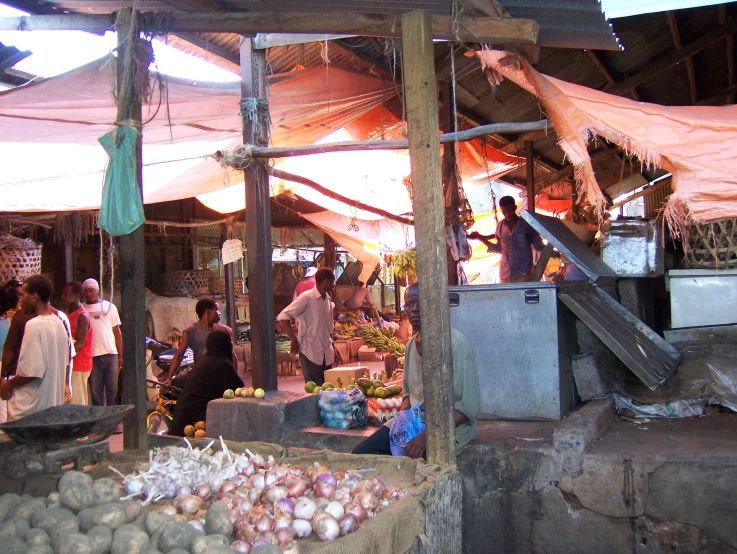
{"x":626,"y":8}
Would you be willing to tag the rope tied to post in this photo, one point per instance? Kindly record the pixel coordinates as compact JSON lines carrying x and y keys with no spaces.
{"x":256,"y":111}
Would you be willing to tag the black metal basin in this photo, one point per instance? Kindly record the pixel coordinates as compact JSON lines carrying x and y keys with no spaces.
{"x":63,"y":424}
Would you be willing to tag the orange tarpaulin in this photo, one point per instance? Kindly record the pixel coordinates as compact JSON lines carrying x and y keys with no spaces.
{"x":698,"y":145}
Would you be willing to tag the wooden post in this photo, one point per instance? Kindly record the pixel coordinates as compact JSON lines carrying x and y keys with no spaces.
{"x":420,"y":94}
{"x":68,"y":246}
{"x":530,"y":177}
{"x":132,"y":269}
{"x":258,"y":221}
{"x":229,"y":288}
{"x":329,"y":250}
{"x":449,"y":170}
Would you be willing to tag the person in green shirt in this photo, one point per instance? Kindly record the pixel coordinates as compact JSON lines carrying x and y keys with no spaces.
{"x":467,"y":397}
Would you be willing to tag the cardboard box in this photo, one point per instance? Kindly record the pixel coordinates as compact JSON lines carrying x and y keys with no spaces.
{"x":369,"y":354}
{"x":345,"y":374}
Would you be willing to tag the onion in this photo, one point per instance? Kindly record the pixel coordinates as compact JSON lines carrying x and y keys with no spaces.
{"x":227,"y":486}
{"x":185,"y":489}
{"x":322,"y":503}
{"x":289,"y":547}
{"x":327,"y":478}
{"x":168,"y":509}
{"x":335,"y":509}
{"x":259,"y":542}
{"x":253,"y":495}
{"x":188,"y":503}
{"x":275,"y":493}
{"x":296,"y":487}
{"x":316,"y":469}
{"x":263,"y":523}
{"x":239,"y":480}
{"x":243,"y":505}
{"x":281,"y":471}
{"x":284,"y":534}
{"x":284,"y":506}
{"x":369,"y":501}
{"x":378,"y":485}
{"x":296,"y":470}
{"x":342,"y":495}
{"x":203,"y":491}
{"x":305,"y":509}
{"x":199,"y":527}
{"x":357,"y":509}
{"x":240,"y":546}
{"x":270,"y":478}
{"x":282,"y":521}
{"x":326,"y":528}
{"x":242,"y":491}
{"x":347,"y":524}
{"x":324,"y":490}
{"x":391,"y":494}
{"x":258,"y":481}
{"x":302,"y":528}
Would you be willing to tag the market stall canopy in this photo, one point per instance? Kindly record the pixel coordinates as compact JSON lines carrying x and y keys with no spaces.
{"x":52,"y":160}
{"x":697,"y":144}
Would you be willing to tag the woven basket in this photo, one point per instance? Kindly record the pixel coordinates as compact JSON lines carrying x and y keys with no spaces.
{"x":217,"y":285}
{"x":19,"y":262}
{"x":186,"y":283}
{"x":712,"y":245}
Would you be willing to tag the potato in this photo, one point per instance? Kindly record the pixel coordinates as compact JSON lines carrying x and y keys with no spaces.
{"x":264,"y":549}
{"x":176,"y":535}
{"x":189,"y":431}
{"x":85,"y":519}
{"x":37,"y":537}
{"x":53,"y":500}
{"x":200,"y":426}
{"x":26,"y":510}
{"x":217,"y":521}
{"x":133,"y":509}
{"x":14,"y":546}
{"x":140,"y":521}
{"x":105,"y":491}
{"x":8,"y":502}
{"x":47,"y":518}
{"x":40,"y":549}
{"x":155,"y":519}
{"x":76,"y":490}
{"x":202,"y":545}
{"x":178,"y":551}
{"x":112,"y":515}
{"x":101,"y":537}
{"x":200,"y":434}
{"x":74,"y":543}
{"x":63,"y":528}
{"x":150,"y":550}
{"x":129,"y":539}
{"x":14,"y":528}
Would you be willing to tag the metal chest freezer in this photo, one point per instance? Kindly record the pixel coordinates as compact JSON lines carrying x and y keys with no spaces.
{"x":523,"y":340}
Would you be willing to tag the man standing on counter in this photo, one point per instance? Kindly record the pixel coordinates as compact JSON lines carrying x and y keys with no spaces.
{"x":314,"y":311}
{"x":467,"y":398}
{"x":515,"y":240}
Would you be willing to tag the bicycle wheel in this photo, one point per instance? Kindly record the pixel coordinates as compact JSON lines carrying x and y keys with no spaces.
{"x":156,"y":424}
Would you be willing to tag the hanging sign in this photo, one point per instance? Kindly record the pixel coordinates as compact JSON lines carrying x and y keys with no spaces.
{"x":232,"y":251}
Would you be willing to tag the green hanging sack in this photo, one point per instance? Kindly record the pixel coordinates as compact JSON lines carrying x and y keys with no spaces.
{"x":121,"y":211}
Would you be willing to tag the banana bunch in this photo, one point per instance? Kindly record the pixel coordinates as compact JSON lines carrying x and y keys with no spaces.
{"x":405,"y":263}
{"x":382,"y":342}
{"x":298,"y":271}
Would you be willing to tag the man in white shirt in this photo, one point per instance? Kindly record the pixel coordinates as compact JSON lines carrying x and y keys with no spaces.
{"x":44,"y":355}
{"x":314,"y":310}
{"x":107,"y":345}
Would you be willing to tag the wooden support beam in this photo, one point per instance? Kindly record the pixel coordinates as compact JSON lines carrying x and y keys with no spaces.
{"x":279,"y":174}
{"x":132,"y":258}
{"x":229,"y":288}
{"x":471,"y":29}
{"x":551,"y":178}
{"x":675,"y":33}
{"x":530,"y":177}
{"x":717,"y":99}
{"x":519,"y":144}
{"x":271,"y":40}
{"x":258,"y":223}
{"x":652,"y":188}
{"x":666,"y":61}
{"x":600,"y":66}
{"x":730,"y":54}
{"x":418,"y":65}
{"x":68,"y":246}
{"x":449,"y":172}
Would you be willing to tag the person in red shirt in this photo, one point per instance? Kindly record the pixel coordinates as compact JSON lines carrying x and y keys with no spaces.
{"x":308,"y":283}
{"x":79,"y":321}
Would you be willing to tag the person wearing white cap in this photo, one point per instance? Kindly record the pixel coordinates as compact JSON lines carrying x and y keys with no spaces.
{"x":307,"y":282}
{"x":107,"y":345}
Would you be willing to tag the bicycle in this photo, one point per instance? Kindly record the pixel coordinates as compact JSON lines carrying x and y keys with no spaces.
{"x":159,"y":420}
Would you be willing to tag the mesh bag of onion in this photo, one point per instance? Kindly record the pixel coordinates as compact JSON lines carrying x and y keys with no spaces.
{"x":345,"y":503}
{"x":343,"y":409}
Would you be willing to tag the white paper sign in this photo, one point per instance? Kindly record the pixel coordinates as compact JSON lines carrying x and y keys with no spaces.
{"x":232,"y":251}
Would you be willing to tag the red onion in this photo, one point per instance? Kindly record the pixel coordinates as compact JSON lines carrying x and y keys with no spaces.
{"x":188,"y":503}
{"x":168,"y":509}
{"x":258,"y":481}
{"x":378,"y":485}
{"x":281,"y":471}
{"x":342,"y":495}
{"x":296,"y":470}
{"x":275,"y":493}
{"x":324,"y":490}
{"x":335,"y":509}
{"x":296,"y":487}
{"x":259,"y":542}
{"x":227,"y":486}
{"x":240,"y":546}
{"x":234,"y":515}
{"x":203,"y":491}
{"x":302,"y":528}
{"x":284,"y":534}
{"x":240,"y":523}
{"x":369,"y":501}
{"x":248,"y":470}
{"x":284,"y":506}
{"x":354,"y":475}
{"x":239,"y":480}
{"x":289,"y":547}
{"x":305,"y":509}
{"x":391,"y":494}
{"x":270,"y":478}
{"x":253,"y":495}
{"x":316,"y":469}
{"x":322,"y":503}
{"x":326,"y":528}
{"x":282,"y":521}
{"x":340,"y":474}
{"x":263,"y":523}
{"x":348,"y":524}
{"x":242,"y":491}
{"x":357,"y":509}
{"x":327,"y":478}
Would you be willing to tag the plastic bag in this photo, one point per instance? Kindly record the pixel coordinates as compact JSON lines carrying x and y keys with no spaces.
{"x":405,"y":426}
{"x":687,"y":407}
{"x":343,"y":410}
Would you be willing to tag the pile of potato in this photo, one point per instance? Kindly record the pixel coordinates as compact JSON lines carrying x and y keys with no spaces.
{"x":87,"y":516}
{"x":196,"y":431}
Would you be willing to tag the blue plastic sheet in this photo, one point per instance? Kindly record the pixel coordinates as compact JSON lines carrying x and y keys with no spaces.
{"x":406,"y":425}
